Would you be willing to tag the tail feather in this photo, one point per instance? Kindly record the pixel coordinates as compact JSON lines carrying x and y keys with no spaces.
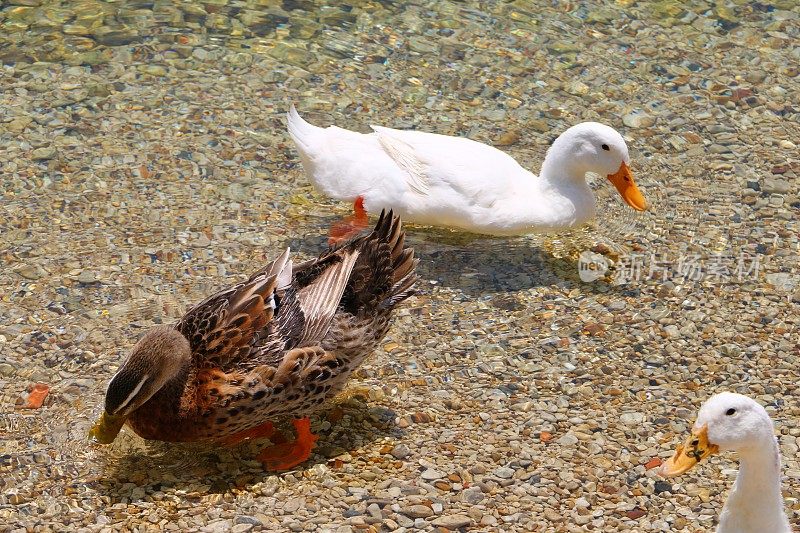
{"x":403,"y":262}
{"x":404,"y":277}
{"x":302,"y":132}
{"x":404,"y":267}
{"x":332,"y":158}
{"x":385,"y":274}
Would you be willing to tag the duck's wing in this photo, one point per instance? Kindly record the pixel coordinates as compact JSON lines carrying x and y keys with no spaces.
{"x":480,"y":173}
{"x":309,"y":304}
{"x":225,"y":327}
{"x":406,"y":158}
{"x":384,"y":274}
{"x":355,"y":285}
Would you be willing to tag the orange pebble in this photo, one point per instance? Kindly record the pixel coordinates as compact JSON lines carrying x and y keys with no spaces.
{"x":652,"y":463}
{"x":545,"y":436}
{"x":36,"y":396}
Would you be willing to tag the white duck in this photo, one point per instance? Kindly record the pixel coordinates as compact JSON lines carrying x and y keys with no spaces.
{"x":730,"y":421}
{"x":459,"y":183}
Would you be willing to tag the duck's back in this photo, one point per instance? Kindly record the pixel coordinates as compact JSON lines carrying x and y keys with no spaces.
{"x":317,"y":341}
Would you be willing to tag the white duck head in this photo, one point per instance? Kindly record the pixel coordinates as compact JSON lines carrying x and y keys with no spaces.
{"x":729,"y":421}
{"x":597,"y":148}
{"x":726,"y":422}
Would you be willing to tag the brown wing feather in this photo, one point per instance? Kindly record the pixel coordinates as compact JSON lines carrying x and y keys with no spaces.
{"x":320,"y":298}
{"x":214,"y":385}
{"x":223,"y":328}
{"x":298,"y":363}
{"x":354,"y":287}
{"x":308,"y":306}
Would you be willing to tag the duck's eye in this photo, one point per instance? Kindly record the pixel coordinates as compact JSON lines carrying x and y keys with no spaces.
{"x":605,"y":147}
{"x":730,"y":411}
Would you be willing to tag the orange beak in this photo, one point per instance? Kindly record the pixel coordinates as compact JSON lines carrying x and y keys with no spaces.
{"x":623,"y":181}
{"x":695,"y":449}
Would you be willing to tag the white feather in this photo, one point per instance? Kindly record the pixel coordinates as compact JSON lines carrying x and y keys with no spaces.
{"x":403,"y":154}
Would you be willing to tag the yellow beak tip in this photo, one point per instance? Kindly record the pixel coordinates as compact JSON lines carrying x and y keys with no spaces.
{"x":687,"y":455}
{"x":106,"y":429}
{"x":98,"y":436}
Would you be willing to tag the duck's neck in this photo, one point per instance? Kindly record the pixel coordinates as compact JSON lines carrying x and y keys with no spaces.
{"x":560,"y":167}
{"x":542,"y":206}
{"x":755,"y":504}
{"x":566,"y":198}
{"x":167,"y":414}
{"x":559,"y":199}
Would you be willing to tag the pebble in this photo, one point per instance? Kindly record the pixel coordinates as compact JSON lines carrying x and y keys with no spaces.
{"x":455,"y":521}
{"x":417,"y":511}
{"x":552,"y":516}
{"x":775,"y":186}
{"x":293,"y":505}
{"x":29,"y":271}
{"x":662,"y":486}
{"x":638,"y":119}
{"x":472,"y":495}
{"x":86,"y":276}
{"x":19,"y":125}
{"x":567,"y":439}
{"x":672,"y":331}
{"x":504,"y":472}
{"x":400,"y":451}
{"x":508,"y":138}
{"x":44,"y":153}
{"x":577,"y":88}
{"x":245,"y":519}
{"x":495,"y":115}
{"x":632,"y":419}
{"x":154,"y":70}
{"x":374,"y":510}
{"x":431,"y":474}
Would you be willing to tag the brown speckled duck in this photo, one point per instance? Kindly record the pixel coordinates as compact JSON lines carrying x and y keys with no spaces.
{"x":278,"y":344}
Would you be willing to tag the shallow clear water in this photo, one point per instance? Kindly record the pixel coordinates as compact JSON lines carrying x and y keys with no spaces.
{"x":145,"y":164}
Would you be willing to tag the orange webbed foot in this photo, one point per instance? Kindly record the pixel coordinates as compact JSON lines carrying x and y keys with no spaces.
{"x":290,"y":454}
{"x":350,"y":226}
{"x":263,"y":431}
